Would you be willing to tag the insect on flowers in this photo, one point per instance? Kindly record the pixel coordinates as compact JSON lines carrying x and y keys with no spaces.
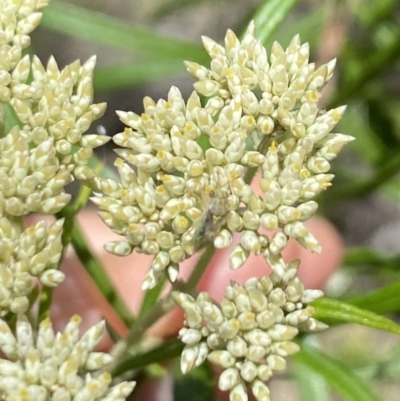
{"x":217,"y":201}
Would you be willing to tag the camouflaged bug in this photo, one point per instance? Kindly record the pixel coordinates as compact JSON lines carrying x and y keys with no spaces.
{"x":216,"y":207}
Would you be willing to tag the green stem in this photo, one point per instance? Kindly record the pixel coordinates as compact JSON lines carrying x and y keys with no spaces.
{"x":136,"y":332}
{"x":68,"y":214}
{"x":99,"y":275}
{"x":201,"y":266}
{"x":163,"y":306}
{"x":46,"y":297}
{"x":168,"y":349}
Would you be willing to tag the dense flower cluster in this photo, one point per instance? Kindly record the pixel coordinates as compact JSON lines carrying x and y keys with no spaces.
{"x":188,"y":187}
{"x":48,"y":366}
{"x":38,"y":158}
{"x":32,"y":178}
{"x":42,"y":155}
{"x":56,"y":107}
{"x":34,"y":253}
{"x":249,"y":334}
{"x":18,"y":20}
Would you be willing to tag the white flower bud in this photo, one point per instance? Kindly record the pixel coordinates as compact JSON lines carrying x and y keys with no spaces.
{"x":120,"y":248}
{"x":238,"y":257}
{"x":189,"y":358}
{"x":229,"y":329}
{"x":228,"y":379}
{"x":255,"y":353}
{"x":190,"y":336}
{"x":276,"y":362}
{"x":260,"y":391}
{"x":237,"y":347}
{"x":223,"y":239}
{"x":281,"y":332}
{"x":221,"y":358}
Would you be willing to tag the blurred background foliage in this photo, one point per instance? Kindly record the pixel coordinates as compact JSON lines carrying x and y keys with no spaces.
{"x":141,"y":45}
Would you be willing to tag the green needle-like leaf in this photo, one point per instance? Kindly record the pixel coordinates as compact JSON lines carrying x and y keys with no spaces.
{"x":269,"y":17}
{"x":342,"y":379}
{"x":311,"y":385}
{"x":167,"y":350}
{"x":332,"y":309}
{"x":383,"y":300}
{"x":100,"y":28}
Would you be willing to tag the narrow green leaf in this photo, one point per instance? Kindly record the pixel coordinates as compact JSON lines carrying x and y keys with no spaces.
{"x":269,"y":17}
{"x":168,"y":7}
{"x":124,"y":76}
{"x":311,"y":385}
{"x":100,"y":28}
{"x":98,"y":274}
{"x":332,"y":309}
{"x":383,"y":300}
{"x":342,"y":379}
{"x":167,"y":350}
{"x":33,"y":297}
{"x":70,"y":211}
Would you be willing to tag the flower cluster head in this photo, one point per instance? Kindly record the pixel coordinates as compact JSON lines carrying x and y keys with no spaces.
{"x":41,"y":154}
{"x":18,"y":19}
{"x":26,"y":257}
{"x":57,"y":367}
{"x":44,"y":153}
{"x":249,"y":334}
{"x":188,"y":189}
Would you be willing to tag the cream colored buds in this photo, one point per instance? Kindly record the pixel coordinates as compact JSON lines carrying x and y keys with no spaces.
{"x":262,"y":113}
{"x":249,"y":334}
{"x":34,"y":253}
{"x":40,"y":365}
